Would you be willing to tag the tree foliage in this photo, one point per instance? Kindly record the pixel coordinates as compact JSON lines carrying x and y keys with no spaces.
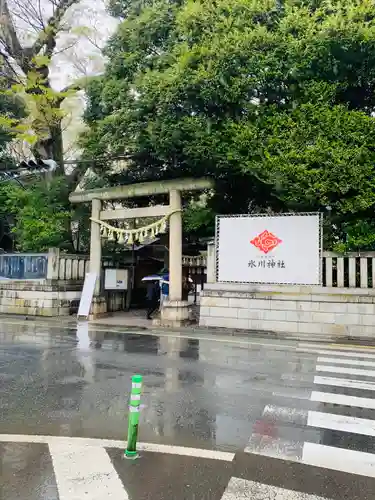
{"x":272,"y":99}
{"x":11,"y":109}
{"x":40,"y":218}
{"x":198,"y":220}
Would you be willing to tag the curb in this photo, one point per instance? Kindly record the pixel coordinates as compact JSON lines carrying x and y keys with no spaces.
{"x":239,"y":334}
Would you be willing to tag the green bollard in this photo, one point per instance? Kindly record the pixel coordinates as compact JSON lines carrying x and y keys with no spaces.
{"x":133,"y":417}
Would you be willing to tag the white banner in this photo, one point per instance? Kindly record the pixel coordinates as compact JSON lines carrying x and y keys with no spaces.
{"x":269,"y":249}
{"x":87,"y":295}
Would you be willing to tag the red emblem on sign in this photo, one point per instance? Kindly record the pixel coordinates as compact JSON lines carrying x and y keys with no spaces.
{"x":266,"y":241}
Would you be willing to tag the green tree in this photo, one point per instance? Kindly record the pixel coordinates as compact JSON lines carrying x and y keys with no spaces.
{"x":12,"y":109}
{"x":199,"y":220}
{"x":272,"y":99}
{"x":40,"y":218}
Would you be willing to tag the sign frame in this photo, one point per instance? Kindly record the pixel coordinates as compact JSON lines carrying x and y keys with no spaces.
{"x":114,"y":275}
{"x":268,"y":215}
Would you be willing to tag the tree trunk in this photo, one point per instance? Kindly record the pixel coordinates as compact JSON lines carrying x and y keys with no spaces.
{"x":51,"y":148}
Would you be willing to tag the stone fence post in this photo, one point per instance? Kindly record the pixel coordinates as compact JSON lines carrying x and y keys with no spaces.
{"x":53,"y":264}
{"x":211,"y":263}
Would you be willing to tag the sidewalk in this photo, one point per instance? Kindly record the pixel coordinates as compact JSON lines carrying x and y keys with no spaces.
{"x":135,"y":321}
{"x":126,"y":319}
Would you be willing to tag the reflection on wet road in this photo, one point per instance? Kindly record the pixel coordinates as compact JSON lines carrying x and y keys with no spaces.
{"x":197,"y":392}
{"x":288,"y":411}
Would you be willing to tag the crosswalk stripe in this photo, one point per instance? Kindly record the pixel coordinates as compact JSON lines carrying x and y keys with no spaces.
{"x":243,"y":489}
{"x":342,"y":382}
{"x":85,"y":472}
{"x":319,"y":455}
{"x":275,"y":447}
{"x":345,"y":354}
{"x":295,"y":394}
{"x":354,"y":362}
{"x":312,"y":418}
{"x":344,"y":423}
{"x":342,"y":399}
{"x":345,"y":370}
{"x":336,"y":347}
{"x":341,"y":459}
{"x":286,"y":414}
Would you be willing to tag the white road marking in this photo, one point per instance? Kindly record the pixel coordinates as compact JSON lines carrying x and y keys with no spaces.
{"x":285,"y":414}
{"x":338,"y":347}
{"x":85,"y":472}
{"x":343,"y":382}
{"x":344,"y":423}
{"x":109,"y":443}
{"x":345,"y":370}
{"x":275,"y":447}
{"x":342,"y":399}
{"x":354,"y":462}
{"x":296,"y":394}
{"x":341,"y":459}
{"x":243,"y":489}
{"x":354,"y":362}
{"x":348,"y":354}
{"x":329,"y":457}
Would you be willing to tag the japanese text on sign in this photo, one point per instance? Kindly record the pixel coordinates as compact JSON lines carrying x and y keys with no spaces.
{"x":267,"y":263}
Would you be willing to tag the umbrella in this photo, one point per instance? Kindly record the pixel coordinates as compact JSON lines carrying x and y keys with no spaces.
{"x":165,"y":278}
{"x":159,"y":277}
{"x":152,"y":277}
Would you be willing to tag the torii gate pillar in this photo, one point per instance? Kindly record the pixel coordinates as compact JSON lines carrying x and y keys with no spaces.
{"x":175,"y":246}
{"x":175,"y":312}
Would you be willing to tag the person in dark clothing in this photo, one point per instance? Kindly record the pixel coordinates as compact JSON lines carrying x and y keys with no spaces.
{"x":153,"y":297}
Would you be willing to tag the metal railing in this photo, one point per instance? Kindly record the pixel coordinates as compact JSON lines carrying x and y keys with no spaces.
{"x":23,"y":266}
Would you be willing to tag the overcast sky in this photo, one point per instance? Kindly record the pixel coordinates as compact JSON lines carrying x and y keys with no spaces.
{"x":88,"y":27}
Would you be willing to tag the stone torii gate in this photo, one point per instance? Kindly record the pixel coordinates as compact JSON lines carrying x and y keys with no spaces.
{"x":175,"y":311}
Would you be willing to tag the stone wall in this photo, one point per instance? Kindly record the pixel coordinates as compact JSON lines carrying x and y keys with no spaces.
{"x":52,"y":298}
{"x":39,"y":297}
{"x":289,"y":309}
{"x":59,"y":289}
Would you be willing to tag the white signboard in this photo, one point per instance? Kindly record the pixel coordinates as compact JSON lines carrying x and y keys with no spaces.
{"x":269,"y":249}
{"x":116,"y":279}
{"x":87,"y":295}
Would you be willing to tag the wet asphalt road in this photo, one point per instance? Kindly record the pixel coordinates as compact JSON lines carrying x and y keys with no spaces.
{"x":197,"y":393}
{"x":258,"y":400}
